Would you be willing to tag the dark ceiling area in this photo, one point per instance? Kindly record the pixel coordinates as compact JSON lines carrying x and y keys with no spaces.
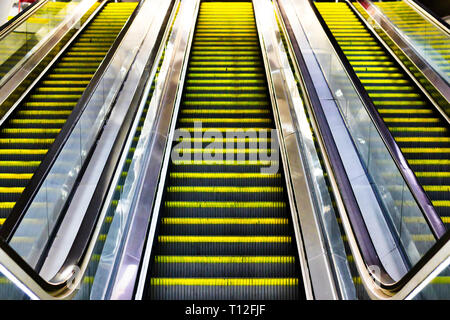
{"x":440,"y":7}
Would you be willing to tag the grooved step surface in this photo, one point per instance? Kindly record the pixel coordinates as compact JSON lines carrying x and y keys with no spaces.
{"x":224,"y":229}
{"x":32,"y":128}
{"x":419,"y":130}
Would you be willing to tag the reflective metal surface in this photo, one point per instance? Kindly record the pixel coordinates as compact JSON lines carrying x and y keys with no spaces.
{"x":299,"y":157}
{"x":15,"y":83}
{"x":135,"y":48}
{"x":352,"y":130}
{"x":138,"y":198}
{"x":62,"y":176}
{"x":420,"y":53}
{"x":327,"y":217}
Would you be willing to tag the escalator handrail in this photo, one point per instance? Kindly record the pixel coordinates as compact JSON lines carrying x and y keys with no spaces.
{"x":431,"y":216}
{"x":62,"y":285}
{"x":386,"y":286}
{"x":19,"y":18}
{"x":27,"y":197}
{"x":365,"y":244}
{"x":431,"y":16}
{"x":103,"y":187}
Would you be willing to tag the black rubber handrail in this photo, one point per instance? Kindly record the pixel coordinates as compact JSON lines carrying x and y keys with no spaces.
{"x":26,"y":199}
{"x":431,"y":216}
{"x":19,"y":18}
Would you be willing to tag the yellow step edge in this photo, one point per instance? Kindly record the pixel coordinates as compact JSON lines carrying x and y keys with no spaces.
{"x":252,"y":221}
{"x":224,"y":189}
{"x":222,"y":175}
{"x":225,"y":120}
{"x":225,"y":204}
{"x":224,"y":259}
{"x":224,"y":162}
{"x":226,"y":239}
{"x":224,"y":281}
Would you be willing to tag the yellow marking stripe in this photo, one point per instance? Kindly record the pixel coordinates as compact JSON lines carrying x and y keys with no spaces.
{"x":224,"y":281}
{"x":226,"y":120}
{"x":224,"y":221}
{"x":7,"y":205}
{"x":227,"y":111}
{"x":224,"y":162}
{"x":422,"y":139}
{"x":223,"y":175}
{"x":224,"y":204}
{"x":417,"y":129}
{"x":226,"y":239}
{"x":425,"y":150}
{"x":411,"y":119}
{"x":23,"y":151}
{"x":224,"y":259}
{"x":11,"y":190}
{"x":403,"y":111}
{"x":19,"y":163}
{"x":225,"y":189}
{"x":221,"y":150}
{"x":26,"y":140}
{"x":216,"y":139}
{"x":422,"y":237}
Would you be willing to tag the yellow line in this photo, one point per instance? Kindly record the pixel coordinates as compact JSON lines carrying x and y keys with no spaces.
{"x":224,"y":259}
{"x":223,"y":162}
{"x":226,"y":111}
{"x":226,"y":120}
{"x":225,"y":189}
{"x":16,"y":176}
{"x":422,"y":237}
{"x":224,"y":281}
{"x":224,"y":221}
{"x":226,"y":239}
{"x":422,"y":139}
{"x":222,"y":150}
{"x":7,"y":205}
{"x":418,"y":129}
{"x":441,"y":203}
{"x":19,"y":163}
{"x":441,"y":280}
{"x":11,"y":190}
{"x":425,"y":150}
{"x":23,"y":151}
{"x":429,"y":161}
{"x":224,"y":204}
{"x":411,"y":119}
{"x":221,"y":175}
{"x":403,"y":111}
{"x":439,"y":188}
{"x":216,"y":139}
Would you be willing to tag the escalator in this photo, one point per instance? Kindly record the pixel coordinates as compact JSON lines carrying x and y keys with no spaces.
{"x":16,"y":45}
{"x":420,"y":30}
{"x":224,"y":229}
{"x":418,"y":128}
{"x":30,"y":130}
